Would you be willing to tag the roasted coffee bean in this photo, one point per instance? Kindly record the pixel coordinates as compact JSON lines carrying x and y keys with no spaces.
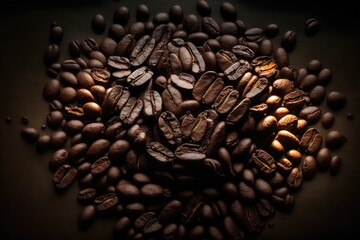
{"x":228,"y":11}
{"x":226,"y":100}
{"x":294,"y":179}
{"x":324,"y":76}
{"x":311,"y":141}
{"x":294,"y":100}
{"x":334,"y":139}
{"x":287,"y":139}
{"x":86,"y":216}
{"x":202,"y":84}
{"x":254,"y":34}
{"x":152,"y":103}
{"x":190,"y":152}
{"x":98,"y":149}
{"x":139,"y":77}
{"x":100,"y":166}
{"x":183,"y":81}
{"x":335,"y":164}
{"x":311,"y":114}
{"x":225,"y":59}
{"x":317,"y":94}
{"x":237,"y":70}
{"x":243,"y":51}
{"x":210,"y":26}
{"x":327,"y":120}
{"x":288,"y":40}
{"x":172,"y":98}
{"x":51,"y":54}
{"x":169,"y":126}
{"x":64,"y":176}
{"x":323,"y":159}
{"x":191,"y":23}
{"x":264,"y":162}
{"x":58,"y":158}
{"x":131,"y":111}
{"x":160,"y":153}
{"x":336,"y":100}
{"x":105,"y":202}
{"x":121,"y":15}
{"x":142,"y":50}
{"x":309,"y":167}
{"x":312,"y":26}
{"x":86,"y":194}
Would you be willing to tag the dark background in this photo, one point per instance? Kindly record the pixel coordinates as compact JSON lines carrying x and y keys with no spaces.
{"x":326,"y":207}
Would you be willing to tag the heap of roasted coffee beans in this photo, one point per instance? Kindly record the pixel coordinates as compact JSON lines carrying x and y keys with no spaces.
{"x":184,"y":126}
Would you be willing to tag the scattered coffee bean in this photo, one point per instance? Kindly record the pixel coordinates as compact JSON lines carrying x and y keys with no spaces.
{"x":173,"y":122}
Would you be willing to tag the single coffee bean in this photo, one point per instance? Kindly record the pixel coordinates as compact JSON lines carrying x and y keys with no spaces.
{"x":160,"y":153}
{"x":288,"y":40}
{"x":312,"y":26}
{"x":335,"y":164}
{"x":51,"y":54}
{"x":334,"y":139}
{"x":98,"y":23}
{"x":56,"y":33}
{"x":311,"y":114}
{"x":327,"y":120}
{"x":51,"y":89}
{"x":309,"y":167}
{"x":336,"y":100}
{"x":264,"y":162}
{"x":323,"y":159}
{"x":228,"y":11}
{"x":64,"y":176}
{"x":105,"y":202}
{"x":86,"y":216}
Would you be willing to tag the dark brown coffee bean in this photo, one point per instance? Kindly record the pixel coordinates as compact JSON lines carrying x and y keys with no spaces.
{"x":226,"y":100}
{"x":176,"y":14}
{"x":88,"y":45}
{"x":58,"y":139}
{"x":121,"y":15}
{"x":210,"y":26}
{"x":139,"y":77}
{"x":204,"y":82}
{"x":172,"y":98}
{"x":271,"y":30}
{"x":243,"y":51}
{"x":169,"y":126}
{"x":294,"y":100}
{"x":118,"y":149}
{"x":312,"y":26}
{"x":190,"y":152}
{"x":334,"y":139}
{"x":152,"y":103}
{"x":86,"y":216}
{"x":58,"y":158}
{"x":86,"y":194}
{"x":288,"y":40}
{"x":309,"y":167}
{"x":254,"y":34}
{"x":228,"y":11}
{"x":335,"y":164}
{"x":311,"y":141}
{"x":311,"y":114}
{"x":317,"y":94}
{"x":336,"y":100}
{"x":323,"y":159}
{"x":264,"y":162}
{"x":100,"y":166}
{"x":237,"y":70}
{"x":105,"y":202}
{"x":239,"y":111}
{"x":98,"y":149}
{"x":294,"y":179}
{"x":327,"y":120}
{"x":191,"y":23}
{"x":160,"y":153}
{"x":64,"y":176}
{"x":131,"y":111}
{"x":51,"y":54}
{"x":324,"y":76}
{"x":142,"y":13}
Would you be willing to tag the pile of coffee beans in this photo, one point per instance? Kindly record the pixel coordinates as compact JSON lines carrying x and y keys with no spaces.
{"x":185,"y":126}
